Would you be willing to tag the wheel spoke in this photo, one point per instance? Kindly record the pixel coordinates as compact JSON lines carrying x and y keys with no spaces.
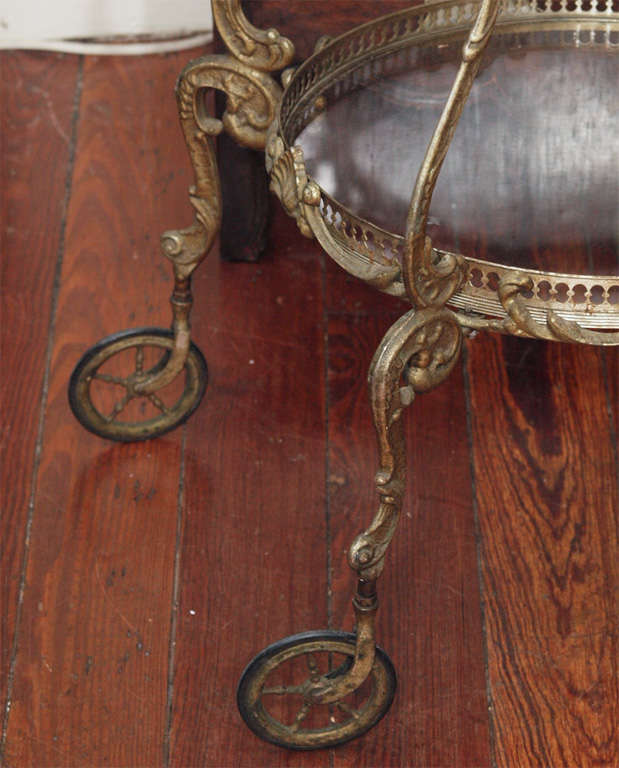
{"x":343,"y":668}
{"x":282,"y":690}
{"x":139,"y":359}
{"x":119,"y":407}
{"x":347,"y":710}
{"x":158,"y":403}
{"x":312,"y":665}
{"x":110,"y":379}
{"x":301,"y":715}
{"x":306,"y":722}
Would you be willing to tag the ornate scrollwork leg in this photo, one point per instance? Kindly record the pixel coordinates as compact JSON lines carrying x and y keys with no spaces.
{"x":251,"y":99}
{"x":416,"y":354}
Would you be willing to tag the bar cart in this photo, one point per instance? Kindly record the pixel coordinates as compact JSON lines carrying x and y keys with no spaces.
{"x":531,"y":84}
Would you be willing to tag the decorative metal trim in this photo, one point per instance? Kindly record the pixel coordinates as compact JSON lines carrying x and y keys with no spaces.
{"x":338,"y":63}
{"x":432,"y":281}
{"x":288,"y":179}
{"x":557,"y":328}
{"x":252,"y":97}
{"x":378,"y":257}
{"x":366,"y":251}
{"x":266,"y":50}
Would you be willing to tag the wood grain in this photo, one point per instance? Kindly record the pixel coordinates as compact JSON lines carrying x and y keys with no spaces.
{"x":253,"y":566}
{"x":547,"y":496}
{"x":611,"y":361}
{"x":546,"y":485}
{"x":91,"y":677}
{"x":36,"y":93}
{"x":275,"y":480}
{"x":603,"y":253}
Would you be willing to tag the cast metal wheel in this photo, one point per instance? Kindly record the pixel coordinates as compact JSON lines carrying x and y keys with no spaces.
{"x":102,"y":396}
{"x":274,"y":700}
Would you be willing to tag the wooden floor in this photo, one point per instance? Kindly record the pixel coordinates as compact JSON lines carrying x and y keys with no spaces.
{"x":138,"y":580}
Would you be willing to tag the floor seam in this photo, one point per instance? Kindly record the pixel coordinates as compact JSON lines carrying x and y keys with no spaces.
{"x":38,"y":450}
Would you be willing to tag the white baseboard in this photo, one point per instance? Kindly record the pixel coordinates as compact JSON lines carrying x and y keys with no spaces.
{"x":77,"y":26}
{"x":106,"y":47}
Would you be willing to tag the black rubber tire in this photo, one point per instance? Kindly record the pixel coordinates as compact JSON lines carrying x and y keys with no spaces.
{"x":266,"y":727}
{"x":85,"y":412}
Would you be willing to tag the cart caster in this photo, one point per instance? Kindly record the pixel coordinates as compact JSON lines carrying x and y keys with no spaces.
{"x":101,"y":393}
{"x":274,"y":693}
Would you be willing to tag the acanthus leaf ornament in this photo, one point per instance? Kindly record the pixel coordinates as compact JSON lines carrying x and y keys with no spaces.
{"x":422,"y":347}
{"x":288,"y":179}
{"x":373,"y":254}
{"x":251,"y":98}
{"x":437,"y":275}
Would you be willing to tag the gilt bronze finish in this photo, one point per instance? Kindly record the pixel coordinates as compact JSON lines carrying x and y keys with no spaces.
{"x":252,"y":96}
{"x":449,"y":293}
{"x":421,"y":348}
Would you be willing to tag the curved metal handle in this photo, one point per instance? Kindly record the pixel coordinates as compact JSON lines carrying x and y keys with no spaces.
{"x":430,"y":283}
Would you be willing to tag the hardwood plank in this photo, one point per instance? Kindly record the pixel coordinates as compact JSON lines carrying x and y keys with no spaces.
{"x":603,"y":253}
{"x":91,"y":676}
{"x":36,"y":92}
{"x":611,"y":360}
{"x":253,"y":566}
{"x":547,"y":498}
{"x":429,"y":620}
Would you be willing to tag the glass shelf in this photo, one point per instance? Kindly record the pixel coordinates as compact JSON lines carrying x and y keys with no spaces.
{"x":531,"y":176}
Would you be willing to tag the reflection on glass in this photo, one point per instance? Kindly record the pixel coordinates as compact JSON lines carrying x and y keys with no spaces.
{"x":532,"y":176}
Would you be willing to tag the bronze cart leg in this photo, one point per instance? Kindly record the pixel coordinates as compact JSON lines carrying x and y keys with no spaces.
{"x":251,"y":99}
{"x":417,"y":353}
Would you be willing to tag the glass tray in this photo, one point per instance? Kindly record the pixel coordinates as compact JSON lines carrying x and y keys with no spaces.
{"x":530,"y":182}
